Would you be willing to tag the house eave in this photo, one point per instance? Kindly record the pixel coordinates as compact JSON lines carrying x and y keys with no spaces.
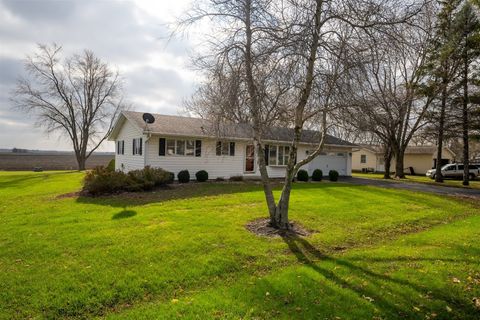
{"x":240,"y":139}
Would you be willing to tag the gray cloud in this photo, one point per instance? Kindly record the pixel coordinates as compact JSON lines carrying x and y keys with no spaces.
{"x":47,"y":10}
{"x":119,"y":32}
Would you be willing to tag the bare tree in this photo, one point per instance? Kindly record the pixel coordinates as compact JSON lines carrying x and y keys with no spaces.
{"x":79,"y":96}
{"x":387,"y":94}
{"x":274,"y":63}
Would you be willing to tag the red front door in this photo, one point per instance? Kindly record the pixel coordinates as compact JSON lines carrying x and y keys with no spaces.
{"x":250,"y":158}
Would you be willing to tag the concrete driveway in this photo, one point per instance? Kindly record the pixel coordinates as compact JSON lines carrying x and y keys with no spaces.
{"x":412,"y":186}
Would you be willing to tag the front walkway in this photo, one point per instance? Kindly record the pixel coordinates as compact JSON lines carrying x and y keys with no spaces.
{"x":412,"y":186}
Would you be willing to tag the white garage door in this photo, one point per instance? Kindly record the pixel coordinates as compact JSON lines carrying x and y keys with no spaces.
{"x":329,"y":161}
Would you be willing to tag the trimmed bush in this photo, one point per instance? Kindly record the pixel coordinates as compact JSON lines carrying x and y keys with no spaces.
{"x":201,"y":176}
{"x":302,"y":175}
{"x":236,"y":178}
{"x":111,"y":165}
{"x":103,"y":181}
{"x":317,"y":175}
{"x":333,"y":175}
{"x":183,"y":176}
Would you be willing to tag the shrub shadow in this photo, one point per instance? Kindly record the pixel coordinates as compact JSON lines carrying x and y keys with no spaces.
{"x":124,"y":214}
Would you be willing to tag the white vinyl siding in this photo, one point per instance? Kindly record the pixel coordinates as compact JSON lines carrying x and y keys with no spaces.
{"x":207,"y":158}
{"x":127,"y":161}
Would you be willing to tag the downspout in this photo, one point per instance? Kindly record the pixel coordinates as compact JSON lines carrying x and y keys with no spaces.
{"x":146,"y":135}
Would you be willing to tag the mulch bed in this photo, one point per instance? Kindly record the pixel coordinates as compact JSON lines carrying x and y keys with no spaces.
{"x":261,"y":227}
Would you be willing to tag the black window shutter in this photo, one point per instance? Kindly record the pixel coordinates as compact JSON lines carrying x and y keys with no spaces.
{"x":267,"y":152}
{"x":198,"y":148}
{"x":141,"y":146}
{"x":123,"y":146}
{"x":133,"y":146}
{"x":219,"y":148}
{"x":161,"y":147}
{"x":232,"y":148}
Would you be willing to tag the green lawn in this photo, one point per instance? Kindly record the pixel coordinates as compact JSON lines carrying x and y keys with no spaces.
{"x":377,"y":253}
{"x":475,"y":184}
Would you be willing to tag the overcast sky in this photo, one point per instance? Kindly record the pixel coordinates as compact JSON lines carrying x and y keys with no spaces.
{"x":130,"y":35}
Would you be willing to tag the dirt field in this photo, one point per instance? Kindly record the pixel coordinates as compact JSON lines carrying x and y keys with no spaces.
{"x":61,"y":161}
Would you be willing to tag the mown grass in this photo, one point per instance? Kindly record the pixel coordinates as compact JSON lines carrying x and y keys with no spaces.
{"x":474,"y":184}
{"x":185,"y":252}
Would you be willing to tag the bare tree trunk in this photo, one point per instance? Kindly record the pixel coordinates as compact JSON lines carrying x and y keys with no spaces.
{"x":387,"y":157}
{"x":399,"y":165}
{"x":281,"y":212}
{"x":466,"y":155}
{"x":441,"y":125}
{"x":81,"y":161}
{"x":267,"y":187}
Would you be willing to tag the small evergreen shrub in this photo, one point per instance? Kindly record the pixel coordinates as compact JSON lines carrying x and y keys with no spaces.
{"x":333,"y":175}
{"x":183,"y":176}
{"x":111,"y":165}
{"x":219,"y":179}
{"x":236,"y":178}
{"x":317,"y":175}
{"x":201,"y":176}
{"x":302,"y":175}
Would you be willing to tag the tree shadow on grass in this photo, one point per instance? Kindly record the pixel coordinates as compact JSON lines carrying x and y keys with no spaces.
{"x":380,"y":286}
{"x":193,"y":190}
{"x":124,"y":214}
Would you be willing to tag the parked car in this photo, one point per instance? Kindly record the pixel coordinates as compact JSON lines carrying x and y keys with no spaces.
{"x":455,"y":170}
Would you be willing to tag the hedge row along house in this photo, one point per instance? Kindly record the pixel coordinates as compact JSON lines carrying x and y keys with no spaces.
{"x":177,"y":143}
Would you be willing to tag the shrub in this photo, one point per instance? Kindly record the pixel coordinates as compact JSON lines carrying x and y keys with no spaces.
{"x":111,"y":165}
{"x":102,"y":180}
{"x":317,"y":175}
{"x":333,"y":175}
{"x":236,"y":178}
{"x":150,"y":177}
{"x":302,"y":175}
{"x":201,"y":176}
{"x":171,"y":177}
{"x":183,"y":176}
{"x":220,"y":179}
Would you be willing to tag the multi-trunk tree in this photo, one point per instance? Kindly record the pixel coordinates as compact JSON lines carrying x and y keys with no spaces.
{"x":282,"y":63}
{"x":79,"y":96}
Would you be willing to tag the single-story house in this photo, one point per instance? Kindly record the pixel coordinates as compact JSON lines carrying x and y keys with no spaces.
{"x":175,"y":143}
{"x":420,"y":158}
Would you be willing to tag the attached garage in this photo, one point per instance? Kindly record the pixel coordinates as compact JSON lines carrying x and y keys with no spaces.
{"x":327,"y":161}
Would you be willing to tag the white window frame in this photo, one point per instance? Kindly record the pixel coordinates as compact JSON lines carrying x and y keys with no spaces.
{"x":177,"y":144}
{"x":224,"y":148}
{"x":120,"y":147}
{"x":285,"y":155}
{"x":363,"y":158}
{"x":138,"y":147}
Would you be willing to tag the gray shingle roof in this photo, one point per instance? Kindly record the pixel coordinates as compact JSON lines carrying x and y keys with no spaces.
{"x":197,"y":127}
